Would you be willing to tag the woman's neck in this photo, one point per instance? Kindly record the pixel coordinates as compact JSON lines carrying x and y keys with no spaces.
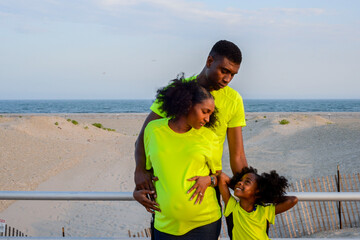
{"x":179,"y":125}
{"x":247,"y":205}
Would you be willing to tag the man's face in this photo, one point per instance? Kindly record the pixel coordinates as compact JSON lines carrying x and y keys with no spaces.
{"x":220,"y":71}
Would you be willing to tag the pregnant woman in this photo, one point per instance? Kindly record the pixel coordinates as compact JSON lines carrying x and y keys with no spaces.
{"x":182,"y":154}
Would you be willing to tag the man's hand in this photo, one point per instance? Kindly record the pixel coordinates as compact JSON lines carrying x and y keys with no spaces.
{"x":142,"y":196}
{"x":144,"y":181}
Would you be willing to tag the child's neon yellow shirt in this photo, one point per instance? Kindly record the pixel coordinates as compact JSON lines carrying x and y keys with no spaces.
{"x":176,"y":157}
{"x":250,"y":226}
{"x":230,"y":113}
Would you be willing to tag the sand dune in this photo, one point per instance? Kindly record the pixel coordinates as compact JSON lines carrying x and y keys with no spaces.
{"x":49,"y":153}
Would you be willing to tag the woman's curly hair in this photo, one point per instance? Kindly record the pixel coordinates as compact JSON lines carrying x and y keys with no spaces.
{"x":271,"y":185}
{"x":180,"y":95}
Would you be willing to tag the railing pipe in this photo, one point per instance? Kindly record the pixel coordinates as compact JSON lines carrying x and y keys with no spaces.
{"x":75,"y":196}
{"x":127,"y":238}
{"x":127,"y":196}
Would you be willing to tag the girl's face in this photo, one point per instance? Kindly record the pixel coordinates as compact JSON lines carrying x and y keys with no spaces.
{"x":199,"y":114}
{"x":247,"y":186}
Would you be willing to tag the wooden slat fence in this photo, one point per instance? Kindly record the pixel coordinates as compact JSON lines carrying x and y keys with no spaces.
{"x":309,"y":217}
{"x":9,"y":231}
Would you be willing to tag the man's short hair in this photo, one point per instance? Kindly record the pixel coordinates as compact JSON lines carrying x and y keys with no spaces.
{"x":226,"y":49}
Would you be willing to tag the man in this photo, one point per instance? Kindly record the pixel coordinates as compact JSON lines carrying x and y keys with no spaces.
{"x":221,"y":65}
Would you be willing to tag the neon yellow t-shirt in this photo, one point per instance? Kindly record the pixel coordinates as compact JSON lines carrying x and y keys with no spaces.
{"x":175,"y":158}
{"x":250,"y":225}
{"x":230,"y":114}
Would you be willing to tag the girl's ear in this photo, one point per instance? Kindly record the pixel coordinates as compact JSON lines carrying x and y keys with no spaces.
{"x":257,"y":193}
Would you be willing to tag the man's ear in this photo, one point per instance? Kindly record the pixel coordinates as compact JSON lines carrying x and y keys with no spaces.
{"x":209,"y":61}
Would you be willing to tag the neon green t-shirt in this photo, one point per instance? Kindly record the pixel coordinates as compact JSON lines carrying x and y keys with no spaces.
{"x":176,"y":157}
{"x":250,"y":225}
{"x":230,"y":114}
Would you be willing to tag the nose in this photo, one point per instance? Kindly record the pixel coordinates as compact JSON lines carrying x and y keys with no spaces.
{"x":227,"y":79}
{"x":207,"y":118}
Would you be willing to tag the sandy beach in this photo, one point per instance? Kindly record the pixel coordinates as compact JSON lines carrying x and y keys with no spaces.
{"x":51,"y":153}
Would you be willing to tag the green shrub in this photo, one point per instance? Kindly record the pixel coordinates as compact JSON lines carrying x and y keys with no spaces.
{"x":86,"y":127}
{"x":284,"y":122}
{"x":264,"y":116}
{"x":69,"y":120}
{"x":98,"y":125}
{"x":56,"y":123}
{"x":74,"y":122}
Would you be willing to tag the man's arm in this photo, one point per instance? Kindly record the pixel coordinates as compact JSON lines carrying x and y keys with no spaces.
{"x":236,"y":149}
{"x":143,"y":178}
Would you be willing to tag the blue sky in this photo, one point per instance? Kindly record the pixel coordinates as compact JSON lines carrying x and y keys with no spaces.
{"x":126,"y":49}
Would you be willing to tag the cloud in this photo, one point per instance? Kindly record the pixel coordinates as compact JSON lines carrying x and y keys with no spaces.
{"x":299,"y":11}
{"x":199,"y":12}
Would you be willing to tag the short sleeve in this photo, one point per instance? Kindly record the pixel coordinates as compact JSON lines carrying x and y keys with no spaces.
{"x":214,"y":162}
{"x":230,"y":206}
{"x":238,"y":113}
{"x":147,"y":132}
{"x":155,"y":107}
{"x":270,"y":213}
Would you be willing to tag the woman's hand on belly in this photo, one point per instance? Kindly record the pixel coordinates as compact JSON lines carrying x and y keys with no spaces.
{"x":200,"y":186}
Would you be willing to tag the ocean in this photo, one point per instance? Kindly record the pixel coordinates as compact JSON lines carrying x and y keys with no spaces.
{"x":142,"y":106}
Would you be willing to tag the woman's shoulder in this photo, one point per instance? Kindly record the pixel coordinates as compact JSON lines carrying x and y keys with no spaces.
{"x":207,"y":133}
{"x":154,"y":124}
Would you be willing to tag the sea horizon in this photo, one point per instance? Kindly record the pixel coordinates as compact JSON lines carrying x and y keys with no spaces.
{"x":143,"y":105}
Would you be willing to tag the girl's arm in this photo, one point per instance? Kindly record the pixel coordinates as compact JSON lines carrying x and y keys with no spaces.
{"x":223,"y":181}
{"x":287,"y":203}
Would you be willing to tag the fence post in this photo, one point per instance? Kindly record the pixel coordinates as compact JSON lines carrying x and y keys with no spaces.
{"x":338,"y":188}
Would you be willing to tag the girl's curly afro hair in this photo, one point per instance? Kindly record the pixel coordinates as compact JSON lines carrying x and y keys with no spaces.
{"x":271,"y":185}
{"x":180,"y":95}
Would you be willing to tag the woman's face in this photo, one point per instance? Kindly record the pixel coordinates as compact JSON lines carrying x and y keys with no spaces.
{"x":199,"y":114}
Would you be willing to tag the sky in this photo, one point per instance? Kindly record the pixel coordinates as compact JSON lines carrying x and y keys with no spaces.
{"x":126,"y":49}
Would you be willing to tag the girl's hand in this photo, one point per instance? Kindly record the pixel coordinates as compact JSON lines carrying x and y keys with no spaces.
{"x":200,"y":186}
{"x":286,"y":203}
{"x":223,"y":179}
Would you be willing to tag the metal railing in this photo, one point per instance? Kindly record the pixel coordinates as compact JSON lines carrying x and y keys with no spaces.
{"x":126,"y":238}
{"x":128,"y":196}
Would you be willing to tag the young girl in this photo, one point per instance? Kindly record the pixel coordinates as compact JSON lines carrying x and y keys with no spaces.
{"x":261,"y":197}
{"x":183,"y":156}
